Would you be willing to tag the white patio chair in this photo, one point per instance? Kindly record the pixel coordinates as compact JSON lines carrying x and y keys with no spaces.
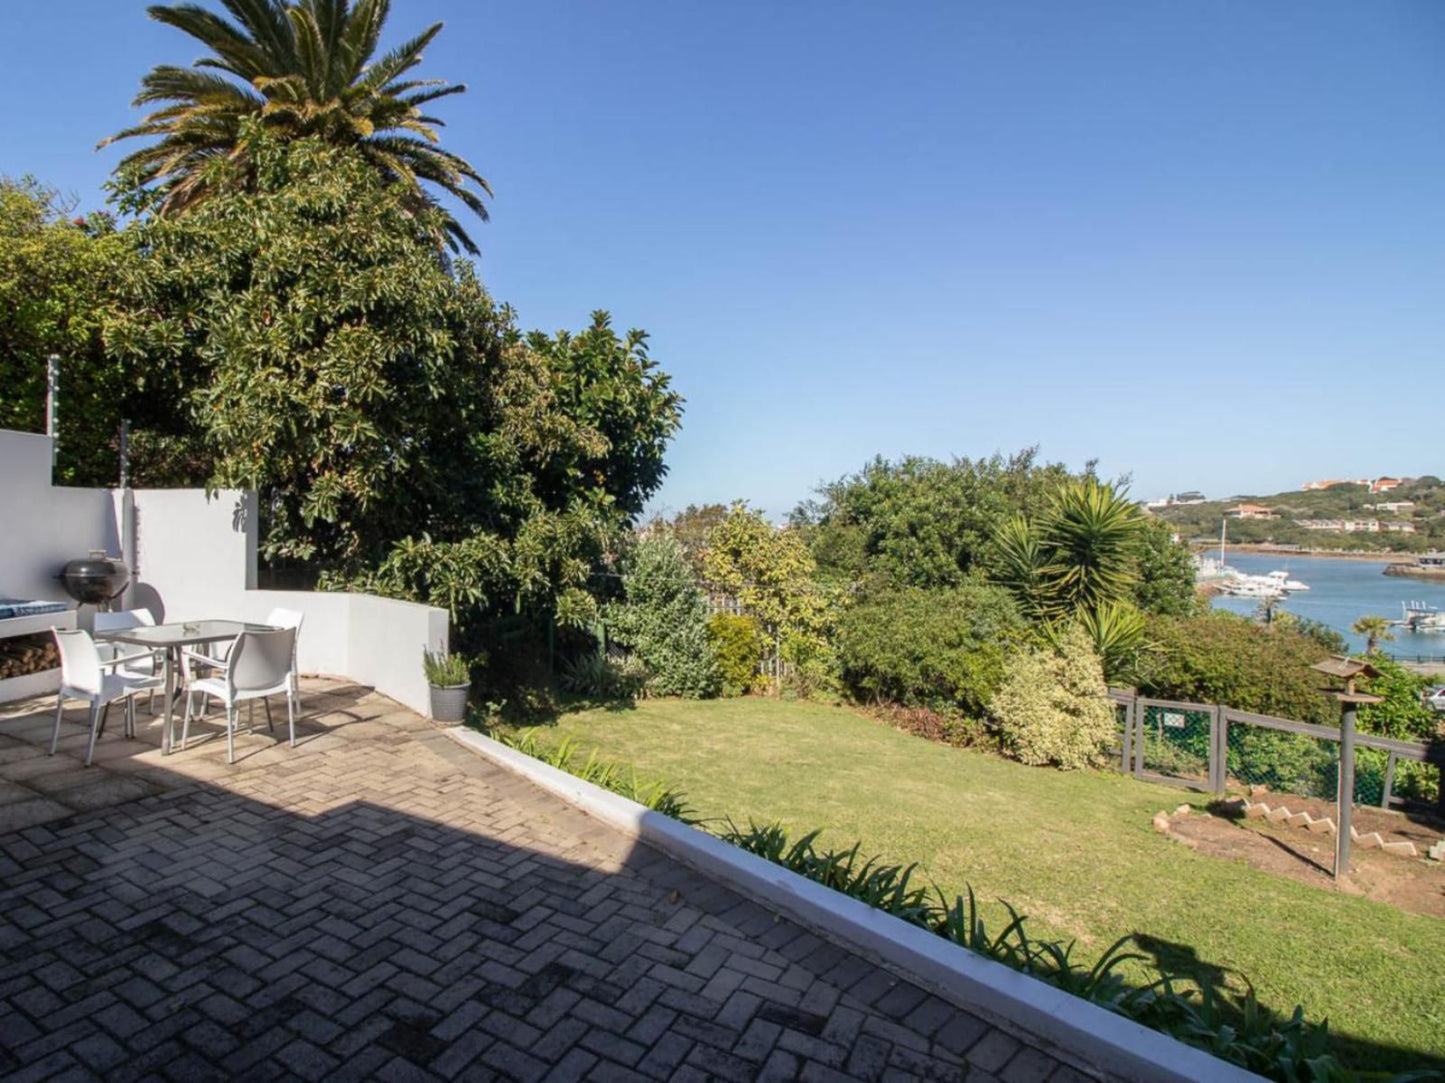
{"x":83,"y":676}
{"x":135,"y":661}
{"x":257,"y":666}
{"x":277,"y":618}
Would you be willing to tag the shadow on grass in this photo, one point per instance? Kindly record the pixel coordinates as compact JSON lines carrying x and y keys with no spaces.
{"x":1378,"y":1059}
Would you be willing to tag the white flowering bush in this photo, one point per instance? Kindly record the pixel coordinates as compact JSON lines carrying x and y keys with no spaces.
{"x":1053,"y":705}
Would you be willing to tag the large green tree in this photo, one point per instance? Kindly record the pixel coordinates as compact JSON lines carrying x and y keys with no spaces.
{"x":403,"y":434}
{"x":303,"y":69}
{"x":59,"y":274}
{"x":920,"y":522}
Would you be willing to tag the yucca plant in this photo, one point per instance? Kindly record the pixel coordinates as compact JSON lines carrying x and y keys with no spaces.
{"x":304,"y":68}
{"x":1116,"y":630}
{"x":1077,"y":556}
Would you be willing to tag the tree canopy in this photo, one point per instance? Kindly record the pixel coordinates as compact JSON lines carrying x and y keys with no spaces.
{"x":297,"y":69}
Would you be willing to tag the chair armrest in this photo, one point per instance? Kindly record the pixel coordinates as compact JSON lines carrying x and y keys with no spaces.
{"x":188,"y":655}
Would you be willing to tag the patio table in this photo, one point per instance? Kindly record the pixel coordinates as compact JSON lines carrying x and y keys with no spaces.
{"x":170,"y":639}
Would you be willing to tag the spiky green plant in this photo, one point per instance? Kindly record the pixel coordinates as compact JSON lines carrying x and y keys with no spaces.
{"x":1116,"y":629}
{"x":305,"y":68}
{"x":1088,"y":535}
{"x":654,"y":795}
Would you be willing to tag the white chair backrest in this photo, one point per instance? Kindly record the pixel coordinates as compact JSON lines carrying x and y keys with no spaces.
{"x":285,"y":618}
{"x":122,"y":619}
{"x":79,"y":660}
{"x":260,"y":660}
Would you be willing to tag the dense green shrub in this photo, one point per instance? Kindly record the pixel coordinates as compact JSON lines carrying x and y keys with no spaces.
{"x":929,"y":648}
{"x":1403,"y":714}
{"x":599,"y":676}
{"x":738,"y":644}
{"x":662,"y":617}
{"x":1052,"y":707}
{"x":1218,"y":657}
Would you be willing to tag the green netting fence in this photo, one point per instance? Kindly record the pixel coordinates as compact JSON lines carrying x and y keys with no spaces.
{"x":1214,"y":748}
{"x":1176,"y":740}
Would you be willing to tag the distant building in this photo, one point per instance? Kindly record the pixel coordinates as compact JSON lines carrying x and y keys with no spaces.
{"x":1357,"y":526}
{"x":1249,"y":511}
{"x":1397,"y":506}
{"x":1172,"y":500}
{"x":1378,"y":485}
{"x":1330,"y":483}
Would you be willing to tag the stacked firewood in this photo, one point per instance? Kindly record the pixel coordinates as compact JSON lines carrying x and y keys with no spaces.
{"x":23,"y":655}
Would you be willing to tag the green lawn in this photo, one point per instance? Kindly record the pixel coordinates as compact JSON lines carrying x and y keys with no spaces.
{"x":1073,"y":850}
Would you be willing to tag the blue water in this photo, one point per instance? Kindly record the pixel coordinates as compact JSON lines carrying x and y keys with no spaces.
{"x":1342,"y":591}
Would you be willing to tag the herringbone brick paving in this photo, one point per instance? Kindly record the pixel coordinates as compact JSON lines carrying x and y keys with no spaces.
{"x":380,"y":903}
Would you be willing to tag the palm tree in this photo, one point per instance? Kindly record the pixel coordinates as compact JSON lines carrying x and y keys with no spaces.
{"x":1374,"y":629}
{"x":303,"y":68}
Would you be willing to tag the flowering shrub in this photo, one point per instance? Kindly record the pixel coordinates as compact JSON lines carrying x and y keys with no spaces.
{"x":1053,"y":706}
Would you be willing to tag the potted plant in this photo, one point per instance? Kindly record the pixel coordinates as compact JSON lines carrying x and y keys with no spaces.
{"x":450,"y":679}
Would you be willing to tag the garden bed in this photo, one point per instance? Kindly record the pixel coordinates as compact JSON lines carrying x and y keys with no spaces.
{"x":1411,"y":884}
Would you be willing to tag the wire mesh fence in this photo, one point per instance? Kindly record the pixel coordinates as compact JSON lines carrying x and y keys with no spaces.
{"x":1257,"y":754}
{"x":1212,"y":748}
{"x":1175,"y":740}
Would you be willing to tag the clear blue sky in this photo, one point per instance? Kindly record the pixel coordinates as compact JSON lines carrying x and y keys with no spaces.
{"x":1204,"y":242}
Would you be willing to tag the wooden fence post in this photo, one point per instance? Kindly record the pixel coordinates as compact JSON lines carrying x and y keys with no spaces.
{"x":1345,"y":793}
{"x":1218,"y":745}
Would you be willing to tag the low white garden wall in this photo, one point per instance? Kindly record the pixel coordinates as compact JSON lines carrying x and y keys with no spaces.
{"x":193,"y":556}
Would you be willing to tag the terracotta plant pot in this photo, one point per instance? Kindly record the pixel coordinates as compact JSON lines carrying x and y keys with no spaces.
{"x":449,"y":702}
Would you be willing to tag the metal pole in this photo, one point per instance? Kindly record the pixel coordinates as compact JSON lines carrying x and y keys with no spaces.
{"x":125,"y":453}
{"x":1345,"y":796}
{"x":52,"y":403}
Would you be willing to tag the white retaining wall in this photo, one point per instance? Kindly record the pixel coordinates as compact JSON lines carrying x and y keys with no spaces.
{"x":43,"y":525}
{"x":194,"y":557}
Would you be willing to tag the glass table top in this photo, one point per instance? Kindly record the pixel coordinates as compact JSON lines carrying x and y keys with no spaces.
{"x":183,"y":633}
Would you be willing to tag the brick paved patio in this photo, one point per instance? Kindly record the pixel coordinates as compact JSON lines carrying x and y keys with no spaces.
{"x":381,"y":903}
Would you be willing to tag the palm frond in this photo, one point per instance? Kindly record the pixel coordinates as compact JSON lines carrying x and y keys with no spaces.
{"x":306,"y":67}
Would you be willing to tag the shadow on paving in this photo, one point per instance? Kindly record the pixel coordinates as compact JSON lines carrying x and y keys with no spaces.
{"x":393,"y":906}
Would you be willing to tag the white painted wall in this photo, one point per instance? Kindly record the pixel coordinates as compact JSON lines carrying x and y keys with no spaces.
{"x":42,"y":525}
{"x":194,"y":558}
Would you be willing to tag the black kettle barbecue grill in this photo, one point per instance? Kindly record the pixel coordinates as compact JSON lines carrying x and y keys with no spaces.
{"x":95,"y":579}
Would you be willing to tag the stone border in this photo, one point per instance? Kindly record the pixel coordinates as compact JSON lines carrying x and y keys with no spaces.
{"x":1065,"y":1026}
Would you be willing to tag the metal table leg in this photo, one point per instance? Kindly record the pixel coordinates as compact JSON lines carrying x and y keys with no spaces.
{"x":170,"y":711}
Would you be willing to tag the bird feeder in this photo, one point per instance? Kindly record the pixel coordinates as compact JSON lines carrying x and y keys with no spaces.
{"x":1346,"y":671}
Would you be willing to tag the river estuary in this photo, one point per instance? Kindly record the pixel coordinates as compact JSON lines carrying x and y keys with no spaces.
{"x":1342,"y":591}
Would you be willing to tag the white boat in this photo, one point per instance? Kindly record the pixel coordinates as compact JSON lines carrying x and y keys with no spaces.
{"x":1251,"y":586}
{"x":1285,"y":582}
{"x":1420,"y":617}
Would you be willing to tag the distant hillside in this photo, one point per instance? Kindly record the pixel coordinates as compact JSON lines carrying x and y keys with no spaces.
{"x":1341,"y":502}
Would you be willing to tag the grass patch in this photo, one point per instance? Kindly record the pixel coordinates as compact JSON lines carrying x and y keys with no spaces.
{"x":1074,"y":851}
